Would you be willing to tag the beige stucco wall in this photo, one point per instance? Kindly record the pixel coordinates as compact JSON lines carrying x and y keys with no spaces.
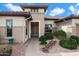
{"x":18,"y":28}
{"x":75,"y":21}
{"x":70,"y":26}
{"x":75,"y":27}
{"x":50,"y":22}
{"x":3,"y":33}
{"x":37,"y":17}
{"x":17,"y":21}
{"x":66,"y":26}
{"x":41,"y":10}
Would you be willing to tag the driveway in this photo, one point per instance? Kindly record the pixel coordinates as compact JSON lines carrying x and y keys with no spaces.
{"x":33,"y":49}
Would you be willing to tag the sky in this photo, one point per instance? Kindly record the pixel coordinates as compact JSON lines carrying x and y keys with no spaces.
{"x":54,"y":9}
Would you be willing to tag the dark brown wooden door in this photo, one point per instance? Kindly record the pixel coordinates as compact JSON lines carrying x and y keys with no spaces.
{"x":34,"y":29}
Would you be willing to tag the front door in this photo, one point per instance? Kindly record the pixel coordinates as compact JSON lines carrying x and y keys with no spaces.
{"x":34,"y":29}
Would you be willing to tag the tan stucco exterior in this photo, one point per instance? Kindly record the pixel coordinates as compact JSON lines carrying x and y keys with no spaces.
{"x":66,"y":26}
{"x":18,"y":31}
{"x":71,"y":26}
{"x":21,"y":25}
{"x":75,"y":23}
{"x":50,"y":22}
{"x":37,"y":17}
{"x":17,"y":21}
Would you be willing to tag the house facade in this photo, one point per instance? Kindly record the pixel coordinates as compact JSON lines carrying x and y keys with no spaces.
{"x":69,"y":24}
{"x":13,"y":24}
{"x":32,"y":23}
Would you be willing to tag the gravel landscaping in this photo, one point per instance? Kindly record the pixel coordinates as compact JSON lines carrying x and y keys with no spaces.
{"x":33,"y":48}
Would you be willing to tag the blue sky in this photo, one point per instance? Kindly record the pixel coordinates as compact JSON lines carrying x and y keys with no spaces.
{"x":54,"y":9}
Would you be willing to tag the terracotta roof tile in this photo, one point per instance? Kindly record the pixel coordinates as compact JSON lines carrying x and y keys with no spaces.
{"x":34,"y":6}
{"x":25,"y":14}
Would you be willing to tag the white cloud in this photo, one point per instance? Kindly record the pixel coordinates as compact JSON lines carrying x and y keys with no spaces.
{"x":57,"y":11}
{"x":13,"y":7}
{"x":77,"y":5}
{"x":72,"y":9}
{"x":78,"y":11}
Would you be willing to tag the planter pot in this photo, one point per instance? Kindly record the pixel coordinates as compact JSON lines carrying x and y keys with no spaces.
{"x":10,"y":40}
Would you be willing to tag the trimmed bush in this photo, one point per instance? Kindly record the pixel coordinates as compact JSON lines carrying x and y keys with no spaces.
{"x":5,"y":50}
{"x":60,"y":34}
{"x":49,"y":36}
{"x":43,"y":40}
{"x":75,"y":38}
{"x":68,"y":43}
{"x":46,"y":37}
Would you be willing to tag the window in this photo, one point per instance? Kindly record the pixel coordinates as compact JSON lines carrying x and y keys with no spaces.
{"x":9,"y":24}
{"x":34,"y":10}
{"x":48,"y":28}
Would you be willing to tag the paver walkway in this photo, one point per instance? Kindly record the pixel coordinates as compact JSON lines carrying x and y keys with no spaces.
{"x":33,"y":49}
{"x":18,"y":50}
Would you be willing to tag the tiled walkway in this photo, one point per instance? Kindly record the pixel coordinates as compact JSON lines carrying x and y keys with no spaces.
{"x":18,"y":50}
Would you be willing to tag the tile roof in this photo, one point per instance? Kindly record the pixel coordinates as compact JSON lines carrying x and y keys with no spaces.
{"x":25,"y":14}
{"x":34,"y":6}
{"x":53,"y":17}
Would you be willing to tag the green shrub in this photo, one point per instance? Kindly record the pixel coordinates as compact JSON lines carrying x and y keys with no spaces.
{"x":75,"y":38}
{"x":5,"y":50}
{"x":63,"y":42}
{"x":60,"y":34}
{"x":46,"y":37}
{"x":49,"y":36}
{"x":43,"y":40}
{"x":68,"y":43}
